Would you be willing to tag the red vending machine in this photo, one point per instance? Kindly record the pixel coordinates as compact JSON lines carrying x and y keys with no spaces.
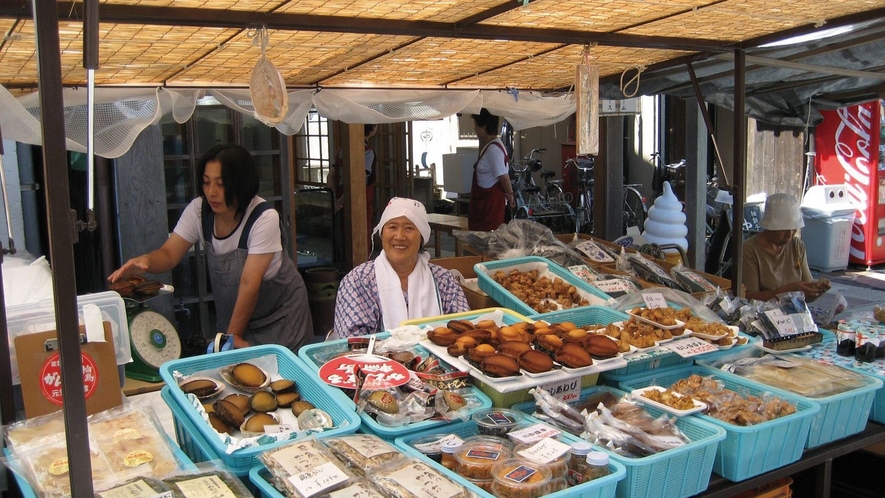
{"x":851,"y":150}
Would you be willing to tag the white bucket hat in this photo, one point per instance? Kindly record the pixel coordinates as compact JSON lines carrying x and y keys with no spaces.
{"x":782,"y":213}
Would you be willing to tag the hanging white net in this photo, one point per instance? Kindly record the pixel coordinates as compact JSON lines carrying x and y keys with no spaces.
{"x":122,"y":113}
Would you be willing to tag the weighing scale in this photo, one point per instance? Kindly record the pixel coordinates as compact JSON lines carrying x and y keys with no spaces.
{"x":153,"y":338}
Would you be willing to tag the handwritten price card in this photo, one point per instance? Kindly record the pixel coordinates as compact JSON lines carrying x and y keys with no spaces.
{"x":783,"y":322}
{"x":692,"y":346}
{"x":318,"y":479}
{"x":654,"y":300}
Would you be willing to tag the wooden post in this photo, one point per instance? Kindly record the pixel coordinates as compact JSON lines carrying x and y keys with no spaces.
{"x":356,"y":234}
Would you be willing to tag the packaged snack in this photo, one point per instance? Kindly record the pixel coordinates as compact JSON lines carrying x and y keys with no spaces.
{"x":210,"y":479}
{"x":306,"y":468}
{"x":412,"y":478}
{"x":362,"y":451}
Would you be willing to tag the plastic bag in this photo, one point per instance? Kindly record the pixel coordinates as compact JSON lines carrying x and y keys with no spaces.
{"x":520,"y":238}
{"x":690,"y":280}
{"x":268,"y":91}
{"x":672,"y":296}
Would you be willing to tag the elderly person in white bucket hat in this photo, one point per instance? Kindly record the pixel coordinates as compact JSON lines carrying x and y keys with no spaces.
{"x":400,"y":284}
{"x":774,"y":260}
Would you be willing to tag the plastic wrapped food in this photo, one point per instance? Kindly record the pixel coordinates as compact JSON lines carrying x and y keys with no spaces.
{"x":648,"y":270}
{"x":137,"y":486}
{"x":45,"y":464}
{"x":207,"y":480}
{"x":306,"y":468}
{"x":795,"y":374}
{"x":362,"y":451}
{"x":690,"y":280}
{"x":630,"y":431}
{"x":730,"y":406}
{"x":412,"y":478}
{"x":131,"y":437}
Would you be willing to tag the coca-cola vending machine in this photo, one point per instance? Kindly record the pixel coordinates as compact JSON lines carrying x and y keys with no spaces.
{"x":851,"y":150}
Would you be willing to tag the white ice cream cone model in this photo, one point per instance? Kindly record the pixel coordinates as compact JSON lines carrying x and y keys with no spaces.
{"x":666,"y":221}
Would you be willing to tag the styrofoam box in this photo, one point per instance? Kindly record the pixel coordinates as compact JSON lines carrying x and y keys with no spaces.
{"x":40,"y":317}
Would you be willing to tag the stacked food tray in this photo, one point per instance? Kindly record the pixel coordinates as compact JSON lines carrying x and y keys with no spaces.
{"x":678,"y":472}
{"x":344,"y":418}
{"x":485,"y":273}
{"x":636,"y":362}
{"x":841,"y":415}
{"x":603,"y":487}
{"x":751,"y":450}
{"x":315,"y":355}
{"x":506,"y":391}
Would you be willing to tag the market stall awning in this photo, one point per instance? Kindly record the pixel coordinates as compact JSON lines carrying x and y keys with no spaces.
{"x":512,"y":47}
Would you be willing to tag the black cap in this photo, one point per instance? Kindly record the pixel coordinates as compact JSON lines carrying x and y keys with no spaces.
{"x":483,"y":115}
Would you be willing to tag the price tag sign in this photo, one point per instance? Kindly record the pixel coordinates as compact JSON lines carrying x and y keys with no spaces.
{"x":438,"y":444}
{"x":783,"y":323}
{"x":691,"y":347}
{"x":569,"y":390}
{"x":317,"y":479}
{"x":534,"y":433}
{"x":545,"y":451}
{"x":654,"y":300}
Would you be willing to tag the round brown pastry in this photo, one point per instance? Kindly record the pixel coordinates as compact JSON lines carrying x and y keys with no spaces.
{"x":201,"y":388}
{"x":513,"y":348}
{"x":480,"y":335}
{"x":480,"y":352}
{"x":510,"y":333}
{"x":218,"y":424}
{"x":460,"y":325}
{"x":600,"y":346}
{"x":460,"y":346}
{"x":383,"y":401}
{"x":535,"y":361}
{"x":499,"y":365}
{"x":549,"y":342}
{"x":573,"y":355}
{"x":487,"y":324}
{"x":443,"y":336}
{"x":575,"y":335}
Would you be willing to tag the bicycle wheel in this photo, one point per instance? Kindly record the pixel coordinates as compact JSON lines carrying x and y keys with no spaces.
{"x":634,"y":209}
{"x":554,"y":193}
{"x":584,"y":213}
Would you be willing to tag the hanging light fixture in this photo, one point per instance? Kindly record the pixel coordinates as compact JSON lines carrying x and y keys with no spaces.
{"x":587,"y":103}
{"x":270,"y":100}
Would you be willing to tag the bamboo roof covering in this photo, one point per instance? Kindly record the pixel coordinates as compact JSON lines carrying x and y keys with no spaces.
{"x":437,"y":44}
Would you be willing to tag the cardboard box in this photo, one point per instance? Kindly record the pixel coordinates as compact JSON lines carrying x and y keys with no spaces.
{"x":464,"y":264}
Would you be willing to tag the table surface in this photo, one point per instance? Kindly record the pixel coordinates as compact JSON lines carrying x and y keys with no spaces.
{"x":447,"y":221}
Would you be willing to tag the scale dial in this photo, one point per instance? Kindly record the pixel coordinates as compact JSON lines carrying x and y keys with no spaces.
{"x":154,"y":339}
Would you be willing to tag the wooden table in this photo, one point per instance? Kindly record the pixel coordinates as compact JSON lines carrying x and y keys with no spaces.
{"x":446,"y":223}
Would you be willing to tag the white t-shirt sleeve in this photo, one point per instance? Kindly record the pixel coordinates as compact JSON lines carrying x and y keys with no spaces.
{"x":189,"y":226}
{"x":497,"y":157}
{"x":265,"y":236}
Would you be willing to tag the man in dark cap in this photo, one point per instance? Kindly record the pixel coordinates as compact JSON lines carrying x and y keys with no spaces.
{"x":491,"y":193}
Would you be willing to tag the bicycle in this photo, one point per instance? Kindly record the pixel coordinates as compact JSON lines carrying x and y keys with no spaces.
{"x":550,"y":206}
{"x":673,"y":173}
{"x":635,"y":209}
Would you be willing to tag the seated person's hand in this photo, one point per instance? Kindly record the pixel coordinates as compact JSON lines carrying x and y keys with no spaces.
{"x":812,"y":290}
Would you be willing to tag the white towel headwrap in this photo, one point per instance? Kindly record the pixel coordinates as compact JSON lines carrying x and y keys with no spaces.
{"x":423,"y":298}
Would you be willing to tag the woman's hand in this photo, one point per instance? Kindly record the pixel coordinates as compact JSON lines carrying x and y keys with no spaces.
{"x":136,"y":266}
{"x":812,"y":290}
{"x":240,"y":343}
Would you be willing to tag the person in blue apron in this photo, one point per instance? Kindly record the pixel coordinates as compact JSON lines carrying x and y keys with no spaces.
{"x":260,"y":298}
{"x":400,"y":284}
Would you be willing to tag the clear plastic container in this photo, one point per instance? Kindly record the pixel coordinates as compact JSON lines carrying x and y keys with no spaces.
{"x":496,"y":421}
{"x":577,"y":464}
{"x":448,"y":454}
{"x":597,"y":465}
{"x":520,"y":478}
{"x":474,"y":460}
{"x":430,"y":445}
{"x":559,"y":466}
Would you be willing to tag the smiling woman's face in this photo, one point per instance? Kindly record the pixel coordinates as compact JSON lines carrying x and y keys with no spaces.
{"x":401,"y":241}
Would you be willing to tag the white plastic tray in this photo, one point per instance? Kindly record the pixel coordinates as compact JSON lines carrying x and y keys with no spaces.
{"x":637,"y":395}
{"x":679,"y":323}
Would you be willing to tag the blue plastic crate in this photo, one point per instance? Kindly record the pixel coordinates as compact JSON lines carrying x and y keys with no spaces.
{"x":603,"y":487}
{"x":196,"y":448}
{"x":840,"y":415}
{"x":747,"y":451}
{"x":485,"y":270}
{"x":826,"y":352}
{"x":314,"y":353}
{"x":289,"y":366}
{"x":675,"y":473}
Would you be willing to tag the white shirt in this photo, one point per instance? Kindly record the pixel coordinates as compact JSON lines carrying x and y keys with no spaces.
{"x":265,"y":236}
{"x":491,"y":164}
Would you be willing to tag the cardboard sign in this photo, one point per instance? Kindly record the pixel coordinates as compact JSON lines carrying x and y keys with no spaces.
{"x":40,"y":372}
{"x":691,"y":347}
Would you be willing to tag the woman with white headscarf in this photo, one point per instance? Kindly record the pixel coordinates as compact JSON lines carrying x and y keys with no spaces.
{"x":774,"y":260}
{"x":400,"y":284}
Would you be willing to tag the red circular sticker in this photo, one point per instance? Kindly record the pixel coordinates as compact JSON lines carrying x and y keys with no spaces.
{"x":380,"y":372}
{"x":50,"y":378}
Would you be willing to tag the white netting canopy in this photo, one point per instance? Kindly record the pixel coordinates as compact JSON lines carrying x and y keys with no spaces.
{"x":122,"y":113}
